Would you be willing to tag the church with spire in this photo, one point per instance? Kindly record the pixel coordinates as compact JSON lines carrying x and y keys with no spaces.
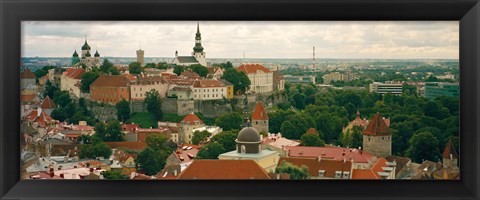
{"x":86,"y":57}
{"x":198,"y":55}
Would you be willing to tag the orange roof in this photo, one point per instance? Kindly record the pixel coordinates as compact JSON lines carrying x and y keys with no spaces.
{"x":130,"y":127}
{"x":259,"y":113}
{"x":312,"y":131}
{"x":376,"y":126}
{"x":252,"y":68}
{"x":128,"y":145}
{"x":75,"y":73}
{"x":47,"y":103}
{"x":377,"y":167}
{"x":190,"y":74}
{"x":130,"y":77}
{"x":224,"y":169}
{"x":207,"y":83}
{"x":28,"y":97}
{"x":363,"y":174}
{"x":27,"y":74}
{"x":110,"y":81}
{"x":43,"y":119}
{"x":450,"y":149}
{"x":190,"y":119}
{"x":314,"y":165}
{"x":329,"y":152}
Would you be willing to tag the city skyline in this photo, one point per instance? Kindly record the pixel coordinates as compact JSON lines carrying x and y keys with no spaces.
{"x":342,"y":40}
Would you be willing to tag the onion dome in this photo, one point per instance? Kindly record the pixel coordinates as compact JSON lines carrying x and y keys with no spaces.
{"x":96,"y":54}
{"x":249,"y":135}
{"x":75,"y":54}
{"x":88,"y":54}
{"x":85,"y":46}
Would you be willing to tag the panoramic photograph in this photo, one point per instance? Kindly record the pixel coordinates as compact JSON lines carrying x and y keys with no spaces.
{"x":134,"y":100}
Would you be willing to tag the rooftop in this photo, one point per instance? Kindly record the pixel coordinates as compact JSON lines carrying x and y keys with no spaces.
{"x":224,"y":169}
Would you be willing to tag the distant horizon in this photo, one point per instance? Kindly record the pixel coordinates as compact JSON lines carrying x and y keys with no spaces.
{"x":255,"y":39}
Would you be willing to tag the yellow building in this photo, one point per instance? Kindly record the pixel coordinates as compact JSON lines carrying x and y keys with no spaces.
{"x":249,"y":148}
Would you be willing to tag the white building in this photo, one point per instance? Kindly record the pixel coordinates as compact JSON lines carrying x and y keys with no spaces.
{"x":383,"y":88}
{"x":143,"y":84}
{"x":261,"y":78}
{"x":71,"y":80}
{"x":209,"y":90}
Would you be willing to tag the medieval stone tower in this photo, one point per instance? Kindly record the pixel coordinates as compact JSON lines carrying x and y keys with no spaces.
{"x":377,"y":138}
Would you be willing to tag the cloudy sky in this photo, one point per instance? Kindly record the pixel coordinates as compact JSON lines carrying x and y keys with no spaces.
{"x":395,"y":40}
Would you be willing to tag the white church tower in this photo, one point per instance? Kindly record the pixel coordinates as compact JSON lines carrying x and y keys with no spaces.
{"x":198,"y":52}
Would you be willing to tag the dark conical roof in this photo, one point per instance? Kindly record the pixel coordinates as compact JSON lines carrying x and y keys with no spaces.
{"x":97,"y":54}
{"x":75,"y":54}
{"x":450,"y":149}
{"x":88,"y":54}
{"x":377,"y":126}
{"x":248,"y":134}
{"x":86,"y":46}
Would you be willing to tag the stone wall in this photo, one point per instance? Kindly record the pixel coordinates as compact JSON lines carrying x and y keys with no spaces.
{"x":137,"y":106}
{"x":378,"y":145}
{"x":169,"y":105}
{"x":102,"y":112}
{"x":212,"y":108}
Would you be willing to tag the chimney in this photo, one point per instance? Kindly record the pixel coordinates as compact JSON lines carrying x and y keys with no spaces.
{"x":451,"y":156}
{"x":39,"y":111}
{"x":278,"y":176}
{"x":175,"y":173}
{"x":319,"y":159}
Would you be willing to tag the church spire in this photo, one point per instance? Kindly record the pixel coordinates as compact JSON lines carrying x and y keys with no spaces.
{"x":198,"y":40}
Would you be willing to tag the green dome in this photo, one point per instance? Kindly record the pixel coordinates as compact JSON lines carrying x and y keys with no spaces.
{"x":85,"y":46}
{"x":75,"y":54}
{"x":88,"y":54}
{"x":198,"y":47}
{"x":96,"y":54}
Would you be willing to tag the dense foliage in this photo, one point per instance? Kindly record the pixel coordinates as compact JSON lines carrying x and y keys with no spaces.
{"x":294,"y":171}
{"x":153,"y":158}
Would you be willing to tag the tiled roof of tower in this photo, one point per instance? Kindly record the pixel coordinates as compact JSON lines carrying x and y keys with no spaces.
{"x":110,"y":81}
{"x":47,"y":103}
{"x":252,"y":68}
{"x":312,"y":131}
{"x":450,"y":149}
{"x":224,"y":169}
{"x":190,"y":119}
{"x":376,"y":126}
{"x":314,"y":165}
{"x":27,"y":74}
{"x":259,"y":113}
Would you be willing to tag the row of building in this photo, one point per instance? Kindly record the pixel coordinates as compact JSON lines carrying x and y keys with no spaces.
{"x":429,"y":90}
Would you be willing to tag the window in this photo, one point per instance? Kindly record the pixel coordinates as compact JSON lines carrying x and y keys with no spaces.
{"x":321,"y":173}
{"x":338,"y":174}
{"x":346,"y":174}
{"x":242,"y":149}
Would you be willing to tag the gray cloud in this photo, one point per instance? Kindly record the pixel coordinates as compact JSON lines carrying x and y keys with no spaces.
{"x":257,"y":39}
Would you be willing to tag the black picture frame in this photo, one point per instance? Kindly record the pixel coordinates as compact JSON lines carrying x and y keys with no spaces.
{"x":13,"y":12}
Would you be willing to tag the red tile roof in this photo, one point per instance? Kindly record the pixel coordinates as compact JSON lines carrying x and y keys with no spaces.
{"x":314,"y":165}
{"x":130,"y":77}
{"x":190,"y":74}
{"x":190,"y":119}
{"x":207,"y":83}
{"x":47,"y":103}
{"x":364,"y":174}
{"x":75,"y":73}
{"x":127,"y":145}
{"x":27,"y":74}
{"x":131,"y":128}
{"x":377,"y":126}
{"x":186,"y":153}
{"x":110,"y":81}
{"x":27,"y":97}
{"x":224,"y":169}
{"x":312,"y":131}
{"x":43,"y":119}
{"x":329,"y":152}
{"x":450,"y":149}
{"x":252,"y":68}
{"x":259,"y":113}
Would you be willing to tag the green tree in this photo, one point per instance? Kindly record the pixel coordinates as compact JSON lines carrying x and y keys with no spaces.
{"x":87,"y":80}
{"x":226,"y":139}
{"x":299,"y":101}
{"x":150,"y":65}
{"x":239,"y":80}
{"x":112,"y":175}
{"x":154,"y":104}
{"x":153,"y":158}
{"x":135,"y":68}
{"x":178,"y":69}
{"x":106,"y":65}
{"x":311,"y":140}
{"x":113,"y":131}
{"x":289,"y":131}
{"x":199,"y":136}
{"x":229,"y":121}
{"x":352,"y":138}
{"x":431,"y":78}
{"x":199,"y":69}
{"x":50,"y":89}
{"x":423,"y":146}
{"x":123,"y":110}
{"x":70,"y":109}
{"x":62,"y":98}
{"x":294,"y":171}
{"x":59,"y":114}
{"x":95,"y":149}
{"x":210,"y":151}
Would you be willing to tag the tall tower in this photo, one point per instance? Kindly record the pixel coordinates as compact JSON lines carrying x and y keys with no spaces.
{"x":198,"y":52}
{"x":313,"y":61}
{"x":377,"y":138}
{"x":140,"y":58}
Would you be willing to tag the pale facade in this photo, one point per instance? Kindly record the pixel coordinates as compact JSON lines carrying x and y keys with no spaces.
{"x":139,"y":87}
{"x":261,"y":79}
{"x":71,"y":81}
{"x":209,"y":90}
